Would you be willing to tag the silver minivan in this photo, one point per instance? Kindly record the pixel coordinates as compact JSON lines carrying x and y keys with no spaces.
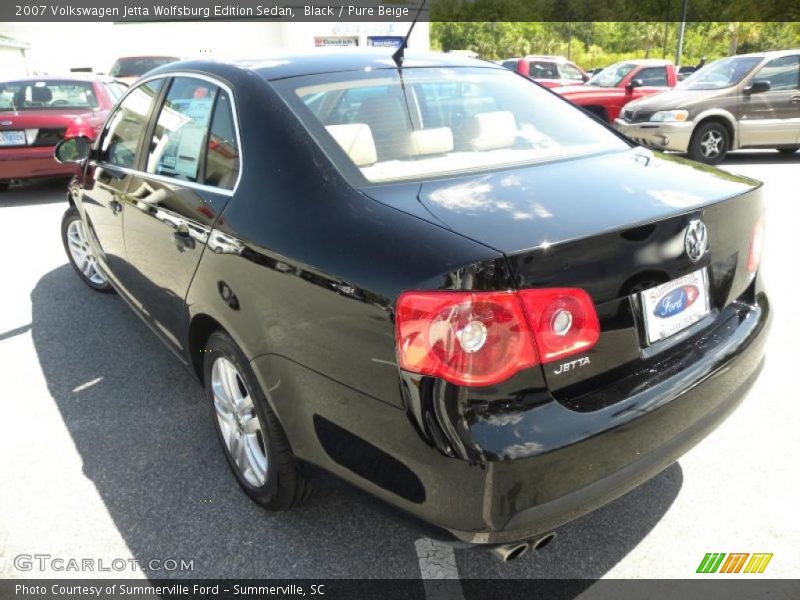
{"x":746,"y":101}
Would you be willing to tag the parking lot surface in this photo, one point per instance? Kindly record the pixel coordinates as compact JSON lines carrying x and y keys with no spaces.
{"x":107,"y":449}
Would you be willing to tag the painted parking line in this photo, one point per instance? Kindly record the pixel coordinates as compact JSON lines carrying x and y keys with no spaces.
{"x":437,"y":566}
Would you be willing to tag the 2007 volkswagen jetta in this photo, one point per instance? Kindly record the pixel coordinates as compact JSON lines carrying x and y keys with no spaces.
{"x":440,"y":282}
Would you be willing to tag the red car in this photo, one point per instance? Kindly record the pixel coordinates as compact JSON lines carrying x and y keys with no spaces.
{"x":612,"y":88}
{"x":549,"y":71}
{"x":36,"y":114}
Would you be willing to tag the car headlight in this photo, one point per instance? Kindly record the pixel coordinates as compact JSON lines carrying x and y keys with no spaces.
{"x":670,"y":115}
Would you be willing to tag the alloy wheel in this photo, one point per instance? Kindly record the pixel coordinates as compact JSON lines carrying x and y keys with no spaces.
{"x":81,"y":252}
{"x":712,"y":143}
{"x":239,"y":423}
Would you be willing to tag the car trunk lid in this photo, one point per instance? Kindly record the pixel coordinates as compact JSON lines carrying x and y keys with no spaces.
{"x":613,"y":225}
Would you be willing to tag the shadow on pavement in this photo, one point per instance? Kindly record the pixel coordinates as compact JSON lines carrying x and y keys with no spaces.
{"x":768,"y":157}
{"x":139,"y":422}
{"x":35,"y":191}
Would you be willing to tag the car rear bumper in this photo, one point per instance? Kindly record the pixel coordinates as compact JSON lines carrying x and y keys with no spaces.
{"x":582,"y":461}
{"x":26,"y":163}
{"x":661,"y":136}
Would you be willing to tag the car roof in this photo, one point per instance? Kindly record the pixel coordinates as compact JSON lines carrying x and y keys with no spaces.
{"x":284,"y":64}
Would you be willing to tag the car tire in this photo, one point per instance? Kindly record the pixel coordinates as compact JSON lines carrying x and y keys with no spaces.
{"x":4,"y":186}
{"x":251,"y":436}
{"x":710,"y":143}
{"x":788,"y":150}
{"x":79,"y":251}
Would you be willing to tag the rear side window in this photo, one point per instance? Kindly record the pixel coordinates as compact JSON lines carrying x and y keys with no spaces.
{"x":124,"y":130}
{"x":781,"y":73}
{"x":222,"y":156}
{"x":569,"y":71}
{"x":653,"y":76}
{"x":542,"y":70}
{"x":179,"y":139}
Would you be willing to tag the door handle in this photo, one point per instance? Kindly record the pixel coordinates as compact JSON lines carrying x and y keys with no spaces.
{"x":795,"y":99}
{"x":183,"y":239}
{"x":116,"y":206}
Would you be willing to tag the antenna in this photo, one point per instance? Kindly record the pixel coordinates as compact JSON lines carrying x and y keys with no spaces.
{"x":400,"y":54}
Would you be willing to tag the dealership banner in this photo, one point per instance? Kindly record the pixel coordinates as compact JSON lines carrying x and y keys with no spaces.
{"x":402,"y":11}
{"x":400,"y":589}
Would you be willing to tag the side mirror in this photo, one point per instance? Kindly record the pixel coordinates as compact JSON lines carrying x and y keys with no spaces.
{"x":73,"y":150}
{"x":634,"y":83}
{"x":586,"y":77}
{"x":758,"y":87}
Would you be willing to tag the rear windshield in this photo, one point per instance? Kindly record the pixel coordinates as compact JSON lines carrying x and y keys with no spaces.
{"x":49,"y":94}
{"x":136,"y":67}
{"x":437,"y":121}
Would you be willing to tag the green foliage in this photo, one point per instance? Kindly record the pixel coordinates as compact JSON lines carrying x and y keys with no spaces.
{"x":603,"y":43}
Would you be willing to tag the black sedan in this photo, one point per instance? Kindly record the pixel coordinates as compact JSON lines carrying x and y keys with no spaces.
{"x":441,"y":282}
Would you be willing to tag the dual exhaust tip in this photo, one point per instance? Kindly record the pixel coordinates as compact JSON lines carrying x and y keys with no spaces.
{"x":508,"y":552}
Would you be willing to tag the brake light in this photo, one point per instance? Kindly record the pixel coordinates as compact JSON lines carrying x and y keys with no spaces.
{"x":756,"y":246}
{"x":79,"y":128}
{"x":483,"y":338}
{"x":564,"y":321}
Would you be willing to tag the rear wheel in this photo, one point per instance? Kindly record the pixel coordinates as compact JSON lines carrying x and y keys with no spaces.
{"x":80,"y":253}
{"x":251,"y":436}
{"x":4,"y":186}
{"x":710,"y":143}
{"x":788,"y":150}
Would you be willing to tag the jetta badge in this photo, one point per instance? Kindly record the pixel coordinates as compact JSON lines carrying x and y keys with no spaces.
{"x":696,"y":239}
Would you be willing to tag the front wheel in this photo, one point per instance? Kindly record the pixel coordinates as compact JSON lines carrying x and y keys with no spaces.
{"x":251,"y":436}
{"x":710,"y":143}
{"x":80,"y":253}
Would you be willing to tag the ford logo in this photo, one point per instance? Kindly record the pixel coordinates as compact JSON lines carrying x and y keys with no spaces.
{"x":676,"y":301}
{"x":5,"y":123}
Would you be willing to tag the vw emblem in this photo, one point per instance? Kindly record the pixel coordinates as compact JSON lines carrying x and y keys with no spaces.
{"x":5,"y":123}
{"x":696,"y":241}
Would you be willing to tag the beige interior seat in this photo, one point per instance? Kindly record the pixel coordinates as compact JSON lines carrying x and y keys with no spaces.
{"x":425,"y":142}
{"x":355,"y":139}
{"x":490,"y":130}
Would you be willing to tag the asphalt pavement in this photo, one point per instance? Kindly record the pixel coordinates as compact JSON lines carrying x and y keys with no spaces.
{"x":107,"y":449}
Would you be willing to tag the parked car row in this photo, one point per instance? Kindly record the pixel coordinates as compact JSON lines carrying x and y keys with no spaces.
{"x":745,"y":101}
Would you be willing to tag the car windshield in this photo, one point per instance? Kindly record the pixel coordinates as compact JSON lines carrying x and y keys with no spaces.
{"x":136,"y":67}
{"x":611,"y":76}
{"x":435,"y":121}
{"x":47,"y":94}
{"x":720,"y":74}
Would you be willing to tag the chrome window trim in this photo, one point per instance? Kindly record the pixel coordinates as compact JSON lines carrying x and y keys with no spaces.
{"x":164,"y":178}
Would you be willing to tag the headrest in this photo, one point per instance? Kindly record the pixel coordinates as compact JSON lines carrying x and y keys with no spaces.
{"x":356,"y":140}
{"x":41,"y":94}
{"x":437,"y":140}
{"x":491,"y":130}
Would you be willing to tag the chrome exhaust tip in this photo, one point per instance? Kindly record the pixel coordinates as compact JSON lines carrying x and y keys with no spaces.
{"x":541,"y":542}
{"x":508,"y":552}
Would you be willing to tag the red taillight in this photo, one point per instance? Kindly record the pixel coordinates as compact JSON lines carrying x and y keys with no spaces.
{"x":756,"y":246}
{"x":563,"y":321}
{"x":483,"y":338}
